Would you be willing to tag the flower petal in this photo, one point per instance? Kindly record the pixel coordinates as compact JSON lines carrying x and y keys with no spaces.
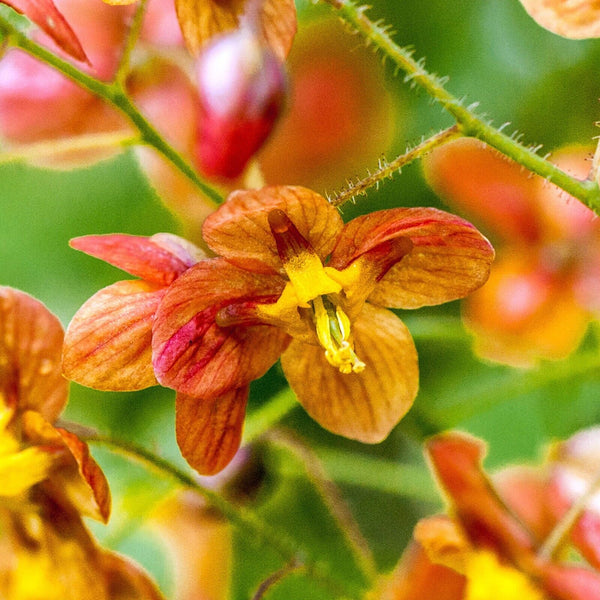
{"x":575,"y":19}
{"x":449,"y":258}
{"x":366,"y":405}
{"x":79,"y":478}
{"x":239,"y":230}
{"x":492,"y":190}
{"x":209,"y":432}
{"x":46,"y":16}
{"x":159,"y":259}
{"x":108,"y":344}
{"x":570,"y":582}
{"x":201,"y":21}
{"x":31,"y":339}
{"x":21,"y":470}
{"x":195,"y":356}
{"x":456,"y":459}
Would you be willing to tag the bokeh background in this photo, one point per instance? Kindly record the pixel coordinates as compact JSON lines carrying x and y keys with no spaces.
{"x":545,"y":86}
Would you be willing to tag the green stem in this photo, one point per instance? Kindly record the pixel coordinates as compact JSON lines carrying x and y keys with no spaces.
{"x":241,"y":517}
{"x":262,"y":419}
{"x":130,"y":42}
{"x":114,"y":94}
{"x":388,"y":169}
{"x":587,"y":190}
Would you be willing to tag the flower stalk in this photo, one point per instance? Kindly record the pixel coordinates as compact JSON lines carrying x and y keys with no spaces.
{"x":587,"y":191}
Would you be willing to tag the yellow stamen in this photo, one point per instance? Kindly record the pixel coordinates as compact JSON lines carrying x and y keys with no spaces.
{"x":333,"y":330}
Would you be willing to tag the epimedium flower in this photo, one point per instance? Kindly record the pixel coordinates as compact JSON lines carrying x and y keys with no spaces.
{"x":490,"y":543}
{"x":543,"y":291}
{"x":49,"y":480}
{"x":290,"y":279}
{"x":269,"y":292}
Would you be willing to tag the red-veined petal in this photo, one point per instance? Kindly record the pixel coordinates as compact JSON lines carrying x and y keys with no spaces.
{"x":31,"y":339}
{"x":108,"y":344}
{"x":79,"y":478}
{"x":449,"y":258}
{"x":209,"y":431}
{"x":239,"y":229}
{"x":158,"y":259}
{"x":366,"y":405}
{"x":195,"y":356}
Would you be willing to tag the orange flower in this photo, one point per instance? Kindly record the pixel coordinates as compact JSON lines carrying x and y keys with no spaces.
{"x":576,"y":19}
{"x":483,"y":551}
{"x":49,"y":480}
{"x":227,"y":319}
{"x":543,"y":290}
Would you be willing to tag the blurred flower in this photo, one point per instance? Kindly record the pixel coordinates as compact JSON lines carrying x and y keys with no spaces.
{"x":108,"y":342}
{"x":242,"y":90}
{"x":37,"y":103}
{"x":339,"y":117}
{"x":543,"y":290}
{"x":49,"y":479}
{"x":486,"y":549}
{"x":576,"y":19}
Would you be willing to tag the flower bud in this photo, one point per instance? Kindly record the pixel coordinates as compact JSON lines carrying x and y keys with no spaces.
{"x":242,"y":88}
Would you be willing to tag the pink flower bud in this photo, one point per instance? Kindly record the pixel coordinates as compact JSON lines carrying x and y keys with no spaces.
{"x":242,"y":88}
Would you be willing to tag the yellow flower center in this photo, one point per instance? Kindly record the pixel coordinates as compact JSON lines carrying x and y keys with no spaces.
{"x":487,"y":579}
{"x":311,"y":286}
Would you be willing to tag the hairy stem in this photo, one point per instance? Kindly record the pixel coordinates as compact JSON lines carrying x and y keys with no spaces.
{"x":587,"y":191}
{"x":387,"y":169}
{"x":114,"y":94}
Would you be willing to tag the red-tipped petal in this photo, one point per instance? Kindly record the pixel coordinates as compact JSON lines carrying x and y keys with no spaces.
{"x":159,"y":259}
{"x":209,"y":432}
{"x":31,"y":339}
{"x":239,"y":230}
{"x":46,"y":16}
{"x":449,"y":258}
{"x":108,"y":344}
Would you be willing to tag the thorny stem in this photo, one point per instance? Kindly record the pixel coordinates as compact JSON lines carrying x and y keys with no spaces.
{"x":559,"y":534}
{"x":241,"y":517}
{"x":387,"y":169}
{"x":470,"y":124}
{"x":115,"y":94}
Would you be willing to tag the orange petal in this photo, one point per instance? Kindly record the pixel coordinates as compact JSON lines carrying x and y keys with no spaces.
{"x":492,"y":190}
{"x":46,"y":16}
{"x":201,"y":21}
{"x":366,"y":405}
{"x":159,"y":259}
{"x":575,"y":19}
{"x":195,"y":356}
{"x":209,"y":432}
{"x":108,"y":344}
{"x":449,"y":258}
{"x":417,"y":578}
{"x":456,"y":459}
{"x":80,"y":478}
{"x":239,"y":229}
{"x":31,"y":339}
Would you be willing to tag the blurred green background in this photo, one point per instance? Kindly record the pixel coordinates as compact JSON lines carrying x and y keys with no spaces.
{"x":546,"y":87}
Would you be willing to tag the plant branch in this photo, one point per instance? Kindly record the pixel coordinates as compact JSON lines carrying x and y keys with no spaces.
{"x":470,"y":124}
{"x":387,"y":169}
{"x":241,"y":517}
{"x":114,"y":94}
